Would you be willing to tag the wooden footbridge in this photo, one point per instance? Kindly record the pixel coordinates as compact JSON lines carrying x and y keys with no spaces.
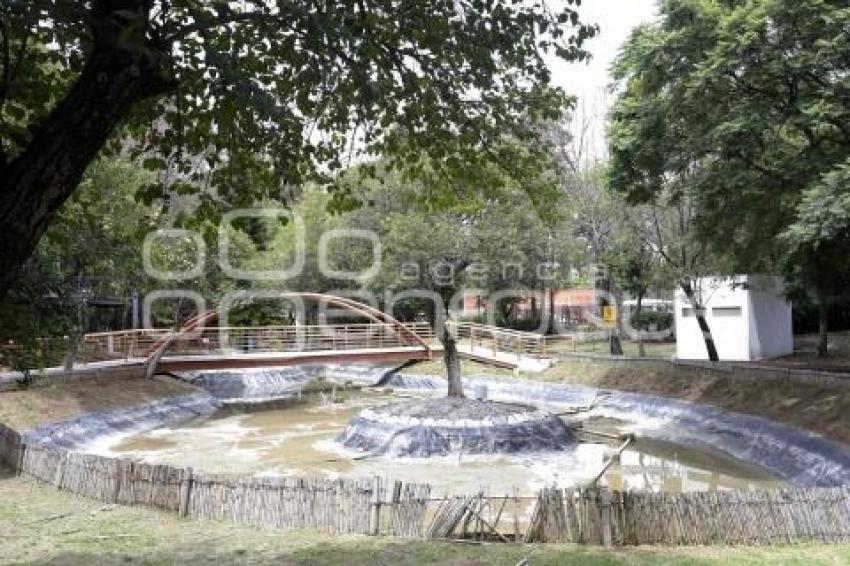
{"x":199,"y":344}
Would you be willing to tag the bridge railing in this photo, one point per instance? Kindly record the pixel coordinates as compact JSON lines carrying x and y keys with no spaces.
{"x":120,"y":344}
{"x":500,"y":340}
{"x":213,"y":340}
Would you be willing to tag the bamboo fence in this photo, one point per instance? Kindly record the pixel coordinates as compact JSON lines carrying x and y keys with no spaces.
{"x":332,"y":506}
{"x":584,"y":516}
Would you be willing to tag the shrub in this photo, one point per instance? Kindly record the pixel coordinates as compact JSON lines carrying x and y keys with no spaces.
{"x":652,"y":320}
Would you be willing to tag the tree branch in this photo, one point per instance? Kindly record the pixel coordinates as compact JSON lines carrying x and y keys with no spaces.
{"x":7,"y":63}
{"x":277,"y":21}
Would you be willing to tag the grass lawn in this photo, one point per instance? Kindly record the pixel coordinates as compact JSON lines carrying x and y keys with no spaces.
{"x":805,"y":353}
{"x":663,"y":350}
{"x":804,"y":356}
{"x":40,"y":525}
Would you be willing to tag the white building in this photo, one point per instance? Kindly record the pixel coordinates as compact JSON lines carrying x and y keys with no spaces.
{"x":748,"y":316}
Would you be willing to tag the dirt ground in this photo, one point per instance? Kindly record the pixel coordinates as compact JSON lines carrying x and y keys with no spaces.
{"x":816,"y":408}
{"x":57,"y":401}
{"x":805,"y":353}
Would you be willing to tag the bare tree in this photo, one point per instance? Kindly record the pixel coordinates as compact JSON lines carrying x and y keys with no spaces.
{"x":668,"y":232}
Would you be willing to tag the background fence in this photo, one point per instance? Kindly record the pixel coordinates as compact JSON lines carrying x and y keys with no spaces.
{"x":588,"y":516}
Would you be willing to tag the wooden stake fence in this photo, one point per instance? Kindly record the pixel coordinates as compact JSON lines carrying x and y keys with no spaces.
{"x":586,"y":516}
{"x":332,"y":506}
{"x":782,"y":516}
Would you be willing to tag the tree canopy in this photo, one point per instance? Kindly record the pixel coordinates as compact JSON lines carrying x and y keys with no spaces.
{"x":238,"y":98}
{"x":741,"y":107}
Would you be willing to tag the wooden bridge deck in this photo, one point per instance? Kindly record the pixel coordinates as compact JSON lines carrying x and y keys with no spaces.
{"x":506,"y":360}
{"x":279,"y":359}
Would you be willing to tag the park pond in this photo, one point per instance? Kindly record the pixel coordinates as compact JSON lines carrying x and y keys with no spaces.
{"x":298,"y":437}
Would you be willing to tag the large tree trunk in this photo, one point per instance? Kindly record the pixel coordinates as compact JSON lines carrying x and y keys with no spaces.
{"x":121,"y":70}
{"x":638,"y":310}
{"x":823,"y":323}
{"x":615,"y":347}
{"x":74,"y":339}
{"x":506,"y":308}
{"x":452,"y":361}
{"x":550,"y":326}
{"x":703,"y":324}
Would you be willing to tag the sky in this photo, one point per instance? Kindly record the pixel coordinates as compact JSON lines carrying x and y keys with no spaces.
{"x":588,"y":81}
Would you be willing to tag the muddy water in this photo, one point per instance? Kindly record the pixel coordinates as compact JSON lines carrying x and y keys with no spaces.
{"x":297,"y":438}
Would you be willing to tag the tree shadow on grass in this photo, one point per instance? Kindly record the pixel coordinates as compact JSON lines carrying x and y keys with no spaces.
{"x":368,"y":552}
